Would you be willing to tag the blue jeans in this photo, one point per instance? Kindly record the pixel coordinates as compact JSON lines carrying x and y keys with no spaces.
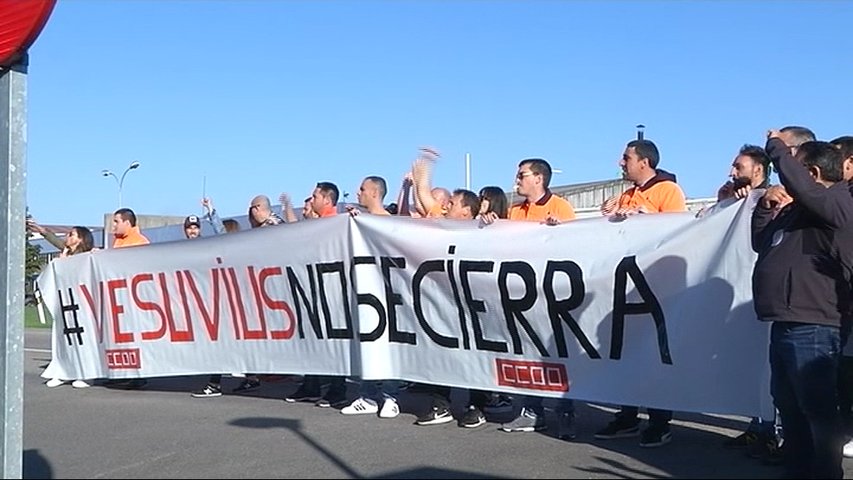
{"x":803,"y":382}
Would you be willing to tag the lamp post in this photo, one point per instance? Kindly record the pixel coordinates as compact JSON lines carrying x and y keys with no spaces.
{"x":120,"y":181}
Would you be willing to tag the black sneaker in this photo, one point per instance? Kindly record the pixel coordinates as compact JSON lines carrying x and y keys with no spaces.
{"x":567,"y":430}
{"x":473,"y":418}
{"x":248,"y":385}
{"x":210,"y":390}
{"x":436,"y":416}
{"x":775,"y":454}
{"x":762,"y":446}
{"x":498,"y":404}
{"x":655,"y":436}
{"x":127,"y":384}
{"x":303,"y":395}
{"x":333,"y":401}
{"x":744,"y":440}
{"x":768,"y":449}
{"x":619,"y":428}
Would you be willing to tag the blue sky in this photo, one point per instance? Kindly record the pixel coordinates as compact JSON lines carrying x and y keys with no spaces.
{"x":241,"y":98}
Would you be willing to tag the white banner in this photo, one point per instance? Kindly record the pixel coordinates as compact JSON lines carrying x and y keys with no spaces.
{"x":654,"y":311}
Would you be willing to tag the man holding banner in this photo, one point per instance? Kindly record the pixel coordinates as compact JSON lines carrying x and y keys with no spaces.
{"x":540,"y":205}
{"x":654,"y":191}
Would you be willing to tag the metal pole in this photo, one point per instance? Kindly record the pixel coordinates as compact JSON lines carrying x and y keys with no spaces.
{"x":13,"y":135}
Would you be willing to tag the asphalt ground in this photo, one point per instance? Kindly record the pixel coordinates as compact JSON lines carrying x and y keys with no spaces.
{"x":160,"y":431}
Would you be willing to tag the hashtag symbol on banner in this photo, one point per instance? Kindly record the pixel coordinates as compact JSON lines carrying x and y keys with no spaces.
{"x":71,"y":307}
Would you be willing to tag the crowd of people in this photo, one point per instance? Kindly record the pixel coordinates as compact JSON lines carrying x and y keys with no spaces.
{"x":802,"y":233}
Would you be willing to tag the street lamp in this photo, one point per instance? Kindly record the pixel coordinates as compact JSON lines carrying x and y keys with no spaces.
{"x":120,"y":182}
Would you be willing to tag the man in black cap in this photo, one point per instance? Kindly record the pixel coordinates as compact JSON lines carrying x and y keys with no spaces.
{"x":192,"y":227}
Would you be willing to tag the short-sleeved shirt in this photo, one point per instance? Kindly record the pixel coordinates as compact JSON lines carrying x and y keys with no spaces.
{"x":134,"y":237}
{"x":549,"y":205}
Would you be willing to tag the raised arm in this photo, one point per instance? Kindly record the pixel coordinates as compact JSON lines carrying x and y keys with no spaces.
{"x":421,"y":172}
{"x":403,"y":196}
{"x":51,"y":237}
{"x":800,"y":185}
{"x":211,"y":216}
{"x":287,"y":208}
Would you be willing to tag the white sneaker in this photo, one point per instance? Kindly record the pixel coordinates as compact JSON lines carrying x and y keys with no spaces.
{"x":360,"y":406}
{"x":847,"y":451}
{"x":390,"y":409}
{"x":54,"y":382}
{"x":79,"y":384}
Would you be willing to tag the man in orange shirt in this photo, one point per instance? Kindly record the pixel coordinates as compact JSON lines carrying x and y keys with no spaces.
{"x":531,"y":182}
{"x":540,"y":205}
{"x":324,"y":203}
{"x":654,"y":191}
{"x":126,"y":232}
{"x":324,"y":199}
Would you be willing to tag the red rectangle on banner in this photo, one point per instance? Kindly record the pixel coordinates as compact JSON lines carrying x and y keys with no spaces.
{"x":124,"y":359}
{"x":551,"y":377}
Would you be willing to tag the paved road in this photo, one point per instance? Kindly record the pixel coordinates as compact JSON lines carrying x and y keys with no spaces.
{"x":162,"y":432}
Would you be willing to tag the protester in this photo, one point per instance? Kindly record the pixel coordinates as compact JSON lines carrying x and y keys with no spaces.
{"x":192,"y":230}
{"x":653,"y":191}
{"x":323,"y":201}
{"x":260,"y":215}
{"x":750,"y":170}
{"x":463,"y":205}
{"x":374,"y":396}
{"x":126,"y":232}
{"x":532,"y":182}
{"x":801,"y":283}
{"x":77,"y":240}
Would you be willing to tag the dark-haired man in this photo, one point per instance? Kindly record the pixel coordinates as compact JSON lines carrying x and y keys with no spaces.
{"x":462,"y":205}
{"x":126,"y":232}
{"x":532,"y":181}
{"x":324,"y":203}
{"x":654,"y":191}
{"x":750,"y":169}
{"x":801,"y":283}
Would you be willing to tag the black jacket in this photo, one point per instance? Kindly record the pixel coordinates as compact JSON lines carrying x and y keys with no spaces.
{"x":805,"y":253}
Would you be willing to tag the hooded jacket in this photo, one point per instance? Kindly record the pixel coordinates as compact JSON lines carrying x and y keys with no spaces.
{"x":659,"y":194}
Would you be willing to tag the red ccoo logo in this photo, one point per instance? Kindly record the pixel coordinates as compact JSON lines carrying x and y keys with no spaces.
{"x":124,"y":359}
{"x":551,"y":377}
